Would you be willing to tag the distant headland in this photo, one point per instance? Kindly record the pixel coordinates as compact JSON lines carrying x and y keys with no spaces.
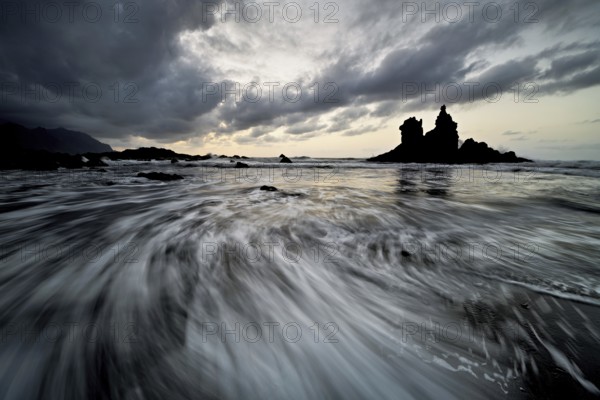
{"x":440,"y":145}
{"x":44,"y":149}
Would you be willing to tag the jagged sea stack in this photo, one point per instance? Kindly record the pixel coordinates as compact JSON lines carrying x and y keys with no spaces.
{"x":440,"y":145}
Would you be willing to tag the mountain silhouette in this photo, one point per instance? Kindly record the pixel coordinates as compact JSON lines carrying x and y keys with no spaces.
{"x":440,"y":145}
{"x":59,"y":140}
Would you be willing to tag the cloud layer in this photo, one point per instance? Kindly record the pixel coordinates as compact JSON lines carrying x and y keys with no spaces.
{"x":179,"y":69}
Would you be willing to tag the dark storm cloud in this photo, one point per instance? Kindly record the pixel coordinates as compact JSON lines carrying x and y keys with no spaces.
{"x":564,"y":16}
{"x":285,"y":108}
{"x":385,"y":109}
{"x":388,"y":63}
{"x":129,"y":53}
{"x":436,"y":70}
{"x":309,"y":126}
{"x":575,"y":82}
{"x":569,"y":64}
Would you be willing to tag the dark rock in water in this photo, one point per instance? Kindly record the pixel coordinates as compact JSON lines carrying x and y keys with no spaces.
{"x":199,"y":158}
{"x":18,"y":153}
{"x":223,"y":156}
{"x":282,"y":156}
{"x":405,"y":253}
{"x":285,"y":160}
{"x":144,"y":153}
{"x":174,"y":161}
{"x":159,"y":176}
{"x":94,"y":161}
{"x":245,"y":158}
{"x":152,"y":153}
{"x":241,"y":165}
{"x":411,"y":132}
{"x":479,"y":152}
{"x":440,"y":145}
{"x":268,"y":188}
{"x":39,"y":160}
{"x":237,"y":157}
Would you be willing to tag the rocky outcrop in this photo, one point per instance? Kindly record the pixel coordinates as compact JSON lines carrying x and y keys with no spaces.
{"x":153,"y":153}
{"x":241,"y":165}
{"x":45,"y":161}
{"x":440,"y":145}
{"x":159,"y":176}
{"x":47,"y":149}
{"x":480,"y":153}
{"x":284,"y":159}
{"x":14,"y":157}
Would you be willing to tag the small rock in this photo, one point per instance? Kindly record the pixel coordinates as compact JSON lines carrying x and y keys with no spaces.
{"x":174,"y":161}
{"x":405,"y":253}
{"x":285,"y":160}
{"x":159,"y":176}
{"x":95,"y":162}
{"x":268,"y":188}
{"x":241,"y":165}
{"x":525,"y":305}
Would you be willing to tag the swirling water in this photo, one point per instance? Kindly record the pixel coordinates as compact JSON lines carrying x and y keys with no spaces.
{"x":352,"y":280}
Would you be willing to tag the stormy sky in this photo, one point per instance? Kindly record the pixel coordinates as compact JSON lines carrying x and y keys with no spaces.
{"x":331,"y":78}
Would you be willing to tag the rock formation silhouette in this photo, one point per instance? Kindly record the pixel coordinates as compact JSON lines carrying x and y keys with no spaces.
{"x":284,"y":159}
{"x":440,"y":145}
{"x":159,"y":176}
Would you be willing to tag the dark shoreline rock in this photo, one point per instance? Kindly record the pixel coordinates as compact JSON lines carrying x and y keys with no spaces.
{"x":268,"y":188}
{"x":152,"y":153}
{"x":159,"y":176}
{"x":440,"y":145}
{"x":241,"y":165}
{"x":44,"y":161}
{"x":12,"y":157}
